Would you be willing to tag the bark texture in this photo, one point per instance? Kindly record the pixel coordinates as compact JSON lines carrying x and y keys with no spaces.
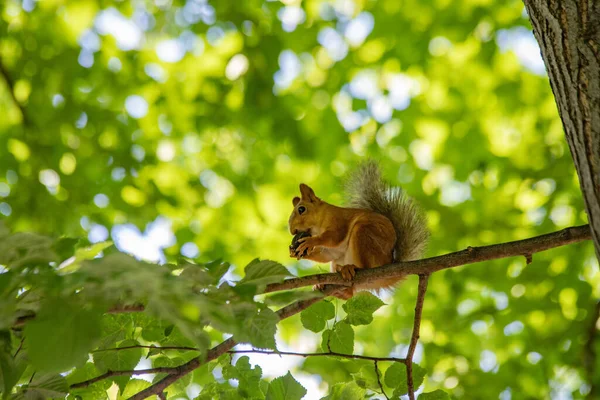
{"x":568,"y":32}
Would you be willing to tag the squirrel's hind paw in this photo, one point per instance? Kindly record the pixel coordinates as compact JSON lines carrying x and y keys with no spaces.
{"x":348,"y":271}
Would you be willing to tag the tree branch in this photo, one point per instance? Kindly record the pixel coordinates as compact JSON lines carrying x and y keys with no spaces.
{"x":141,"y":346}
{"x":423,"y":279}
{"x":471,"y":255}
{"x":220,"y":349}
{"x":326,"y":354}
{"x":423,"y":268}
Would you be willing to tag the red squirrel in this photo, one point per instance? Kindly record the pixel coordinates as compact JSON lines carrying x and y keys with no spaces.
{"x":380,"y":225}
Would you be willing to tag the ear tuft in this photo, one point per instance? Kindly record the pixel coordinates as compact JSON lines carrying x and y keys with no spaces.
{"x":308,"y":194}
{"x":295,"y":201}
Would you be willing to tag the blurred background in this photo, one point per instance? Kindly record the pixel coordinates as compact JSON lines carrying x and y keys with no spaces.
{"x":183,"y":128}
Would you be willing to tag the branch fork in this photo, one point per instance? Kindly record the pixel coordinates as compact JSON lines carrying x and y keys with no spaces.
{"x":423,"y":268}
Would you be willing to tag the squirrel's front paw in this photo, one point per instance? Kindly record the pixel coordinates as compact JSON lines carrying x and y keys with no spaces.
{"x":306,"y":247}
{"x":319,"y":287}
{"x":295,"y":243}
{"x":348,"y":271}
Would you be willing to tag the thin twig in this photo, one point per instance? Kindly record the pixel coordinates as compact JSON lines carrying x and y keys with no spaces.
{"x":423,"y":279}
{"x":20,"y":347}
{"x":590,"y":355}
{"x":109,"y":374}
{"x":326,"y":354}
{"x":421,"y":267}
{"x":426,"y":266}
{"x":220,"y":349}
{"x":120,"y":309}
{"x":471,"y":255}
{"x":140,"y":346}
{"x":379,"y":380}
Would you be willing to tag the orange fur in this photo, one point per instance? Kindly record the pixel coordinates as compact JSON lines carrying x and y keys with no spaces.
{"x":379,"y":225}
{"x":349,"y":238}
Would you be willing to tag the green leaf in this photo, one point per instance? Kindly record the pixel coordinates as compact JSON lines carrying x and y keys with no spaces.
{"x":9,"y":372}
{"x":119,"y":360}
{"x":169,"y":330}
{"x":195,"y":332}
{"x":217,"y":269}
{"x":264,"y":272}
{"x":86,"y":252}
{"x":153,"y":329}
{"x":91,"y":251}
{"x":203,"y":274}
{"x":87,"y":372}
{"x":360,"y":308}
{"x":8,"y":294}
{"x":345,"y":391}
{"x":220,"y":391}
{"x":396,"y":377}
{"x":247,"y":291}
{"x":64,"y":247}
{"x":50,"y":386}
{"x":259,"y":329}
{"x":203,"y":375}
{"x":436,"y":395}
{"x":23,"y":248}
{"x":316,"y":316}
{"x":366,"y":377}
{"x":61,"y":335}
{"x":133,"y":386}
{"x":115,"y":328}
{"x":285,"y":388}
{"x":285,"y":298}
{"x":197,"y":274}
{"x":154,"y":351}
{"x":248,"y":378}
{"x":340,"y":339}
{"x":177,"y":338}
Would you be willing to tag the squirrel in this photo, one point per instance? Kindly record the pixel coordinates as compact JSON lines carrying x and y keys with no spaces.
{"x":379,"y":225}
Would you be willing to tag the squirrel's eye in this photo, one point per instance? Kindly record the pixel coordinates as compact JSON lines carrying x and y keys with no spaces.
{"x":301,"y":210}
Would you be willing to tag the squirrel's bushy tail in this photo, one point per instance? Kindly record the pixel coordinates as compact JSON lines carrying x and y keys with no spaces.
{"x":366,"y":189}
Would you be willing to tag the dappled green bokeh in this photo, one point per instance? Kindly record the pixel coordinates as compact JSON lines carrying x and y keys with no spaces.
{"x":205,"y":116}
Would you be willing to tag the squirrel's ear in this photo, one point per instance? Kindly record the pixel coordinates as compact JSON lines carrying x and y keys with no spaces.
{"x":308,"y":194}
{"x":295,"y":201}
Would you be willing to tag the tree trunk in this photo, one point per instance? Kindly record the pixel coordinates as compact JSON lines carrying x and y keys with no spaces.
{"x":568,"y":32}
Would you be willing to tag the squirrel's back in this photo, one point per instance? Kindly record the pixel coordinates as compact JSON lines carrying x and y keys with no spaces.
{"x":366,"y":189}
